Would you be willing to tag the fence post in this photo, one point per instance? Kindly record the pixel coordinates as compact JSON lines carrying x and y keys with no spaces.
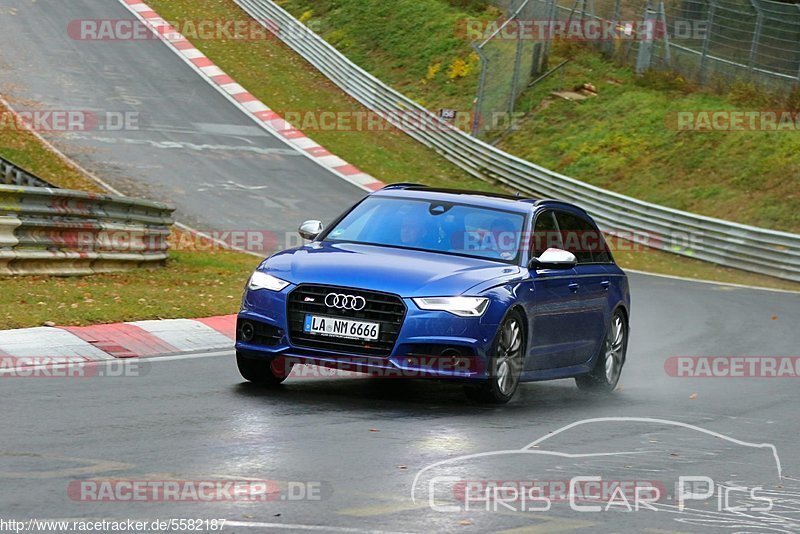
{"x":756,"y":35}
{"x":551,"y":17}
{"x":662,"y":15}
{"x":572,"y":11}
{"x":515,"y":78}
{"x":645,"y":56}
{"x":476,"y":120}
{"x":610,"y":45}
{"x":798,"y":62}
{"x":712,"y":6}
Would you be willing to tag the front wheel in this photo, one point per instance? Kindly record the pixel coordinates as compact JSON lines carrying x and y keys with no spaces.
{"x":605,"y":375}
{"x":505,"y":366}
{"x":269,"y":373}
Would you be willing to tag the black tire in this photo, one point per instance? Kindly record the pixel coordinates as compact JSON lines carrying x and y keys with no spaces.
{"x":268,"y":373}
{"x":605,"y":375}
{"x":509,"y":349}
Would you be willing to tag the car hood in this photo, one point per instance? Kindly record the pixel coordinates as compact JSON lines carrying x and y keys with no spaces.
{"x":407,"y":273}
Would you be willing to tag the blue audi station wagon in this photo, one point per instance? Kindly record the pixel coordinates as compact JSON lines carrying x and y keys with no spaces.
{"x":488,"y":290}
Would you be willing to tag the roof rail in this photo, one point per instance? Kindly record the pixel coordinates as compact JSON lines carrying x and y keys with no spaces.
{"x":403,"y":185}
{"x":551,"y":202}
{"x":418,"y":187}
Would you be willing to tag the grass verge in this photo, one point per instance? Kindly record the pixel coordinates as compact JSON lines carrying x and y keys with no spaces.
{"x":23,"y":148}
{"x":193,"y":284}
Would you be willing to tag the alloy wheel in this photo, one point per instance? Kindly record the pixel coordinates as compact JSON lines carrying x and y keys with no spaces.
{"x":509,"y":356}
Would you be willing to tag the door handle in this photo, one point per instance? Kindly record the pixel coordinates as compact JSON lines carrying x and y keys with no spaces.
{"x":605,"y":284}
{"x":574,"y":287}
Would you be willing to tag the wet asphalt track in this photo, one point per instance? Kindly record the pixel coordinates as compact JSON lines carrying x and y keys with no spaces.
{"x":361,"y":440}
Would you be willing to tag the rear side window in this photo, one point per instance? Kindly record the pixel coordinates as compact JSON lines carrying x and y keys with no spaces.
{"x":580,"y":237}
{"x":545,"y":234}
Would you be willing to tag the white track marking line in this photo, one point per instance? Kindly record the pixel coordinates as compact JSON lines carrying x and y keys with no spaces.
{"x":703,"y":281}
{"x":177,"y":357}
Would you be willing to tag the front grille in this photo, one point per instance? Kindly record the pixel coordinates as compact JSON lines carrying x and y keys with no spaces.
{"x":383,"y":308}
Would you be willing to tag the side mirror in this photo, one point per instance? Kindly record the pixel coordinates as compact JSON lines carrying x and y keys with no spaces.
{"x":554,"y":258}
{"x":310,"y":230}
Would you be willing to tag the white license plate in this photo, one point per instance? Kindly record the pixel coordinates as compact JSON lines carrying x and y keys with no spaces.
{"x":346,"y":328}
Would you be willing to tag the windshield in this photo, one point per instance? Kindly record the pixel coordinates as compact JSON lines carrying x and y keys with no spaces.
{"x":434,"y":226}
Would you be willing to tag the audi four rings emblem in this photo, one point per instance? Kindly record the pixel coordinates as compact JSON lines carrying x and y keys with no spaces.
{"x":345,"y":302}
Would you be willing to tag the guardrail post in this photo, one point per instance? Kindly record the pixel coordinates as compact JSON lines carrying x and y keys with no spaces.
{"x":8,"y":224}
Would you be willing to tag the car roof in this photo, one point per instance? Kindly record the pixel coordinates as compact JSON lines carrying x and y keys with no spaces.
{"x":476,"y":198}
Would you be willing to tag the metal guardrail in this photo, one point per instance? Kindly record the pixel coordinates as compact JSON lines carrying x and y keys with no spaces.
{"x":721,"y":242}
{"x":46,"y":230}
{"x":11,"y":174}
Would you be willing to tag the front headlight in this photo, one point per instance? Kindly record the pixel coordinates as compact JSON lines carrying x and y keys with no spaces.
{"x":261,"y":280}
{"x":461,"y":306}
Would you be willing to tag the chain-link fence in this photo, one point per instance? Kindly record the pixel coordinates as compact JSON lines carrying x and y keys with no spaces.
{"x":509,"y":58}
{"x":755,"y":40}
{"x":707,"y":41}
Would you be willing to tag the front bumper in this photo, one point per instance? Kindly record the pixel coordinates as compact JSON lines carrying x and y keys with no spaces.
{"x":430,"y":344}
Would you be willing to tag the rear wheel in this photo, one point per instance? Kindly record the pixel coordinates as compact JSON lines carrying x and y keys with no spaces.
{"x":269,"y":373}
{"x":505,"y":366}
{"x":605,"y":375}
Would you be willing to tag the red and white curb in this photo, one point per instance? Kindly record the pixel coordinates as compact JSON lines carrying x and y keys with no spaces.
{"x":249,"y":104}
{"x":140,"y":339}
{"x":41,"y":351}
